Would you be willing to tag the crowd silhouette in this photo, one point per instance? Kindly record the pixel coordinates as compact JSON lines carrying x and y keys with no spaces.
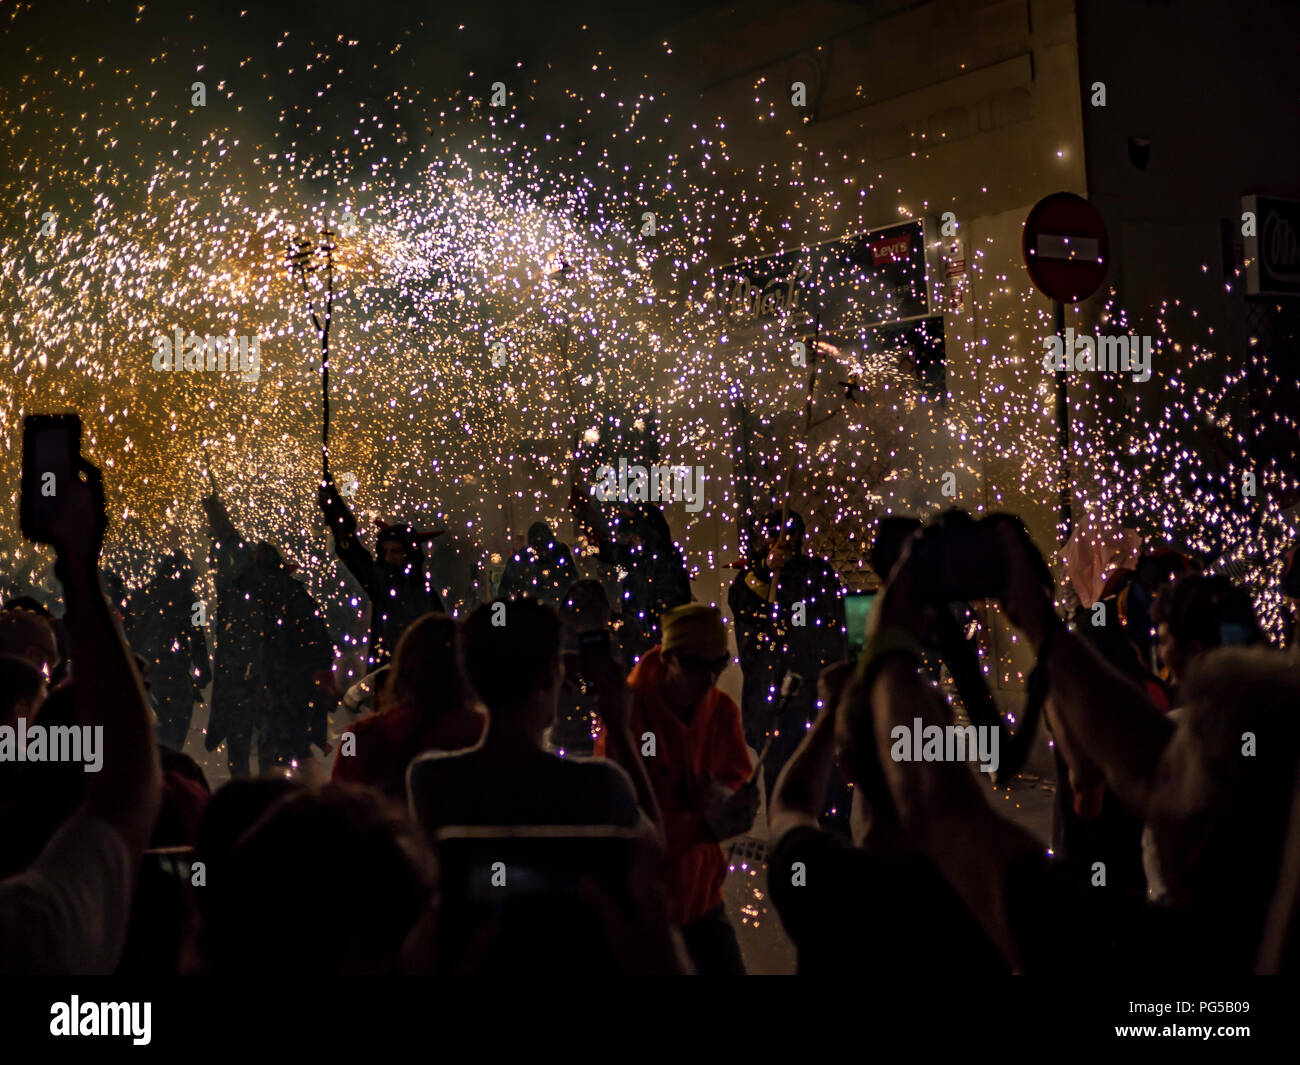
{"x":547,"y":783}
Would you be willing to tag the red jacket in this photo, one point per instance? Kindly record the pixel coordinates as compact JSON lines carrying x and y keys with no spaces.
{"x":713,"y":744}
{"x":387,"y":742}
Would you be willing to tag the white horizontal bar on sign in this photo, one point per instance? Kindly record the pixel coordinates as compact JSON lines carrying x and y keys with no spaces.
{"x":1055,"y":246}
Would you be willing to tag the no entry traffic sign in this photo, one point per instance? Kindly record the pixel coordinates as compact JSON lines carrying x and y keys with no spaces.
{"x":1067,"y":251}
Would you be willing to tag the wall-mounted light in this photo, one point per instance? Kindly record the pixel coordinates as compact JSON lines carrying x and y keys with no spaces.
{"x":1139,"y":151}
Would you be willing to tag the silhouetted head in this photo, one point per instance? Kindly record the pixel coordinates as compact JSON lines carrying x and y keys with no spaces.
{"x":399,"y":547}
{"x":268,"y":557}
{"x":1219,"y":804}
{"x":426,"y":672}
{"x":891,"y":534}
{"x":27,"y":602}
{"x":695,"y":651}
{"x":512,"y":655}
{"x":540,"y":537}
{"x":234,"y":809}
{"x":1197,"y":613}
{"x":22,"y":688}
{"x":30,"y":636}
{"x":787,"y":526}
{"x":586,"y":607}
{"x":1161,"y":567}
{"x":175,"y":566}
{"x":279,"y":893}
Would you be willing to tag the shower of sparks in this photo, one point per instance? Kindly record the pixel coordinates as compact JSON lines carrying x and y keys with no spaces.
{"x":495,"y":231}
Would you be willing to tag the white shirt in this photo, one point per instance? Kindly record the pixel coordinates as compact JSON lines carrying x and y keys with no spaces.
{"x":66,"y":913}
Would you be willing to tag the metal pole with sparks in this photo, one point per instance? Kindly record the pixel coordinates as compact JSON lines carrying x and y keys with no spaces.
{"x":808,"y":426}
{"x":299,"y":262}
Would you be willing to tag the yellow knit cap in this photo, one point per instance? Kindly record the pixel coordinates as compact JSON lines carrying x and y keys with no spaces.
{"x":695,"y":628}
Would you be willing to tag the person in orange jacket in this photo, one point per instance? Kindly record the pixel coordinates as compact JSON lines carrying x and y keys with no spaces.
{"x":699,"y":767}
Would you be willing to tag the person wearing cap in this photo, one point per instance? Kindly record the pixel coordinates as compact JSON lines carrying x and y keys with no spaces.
{"x":693,"y":747}
{"x":398,"y":586}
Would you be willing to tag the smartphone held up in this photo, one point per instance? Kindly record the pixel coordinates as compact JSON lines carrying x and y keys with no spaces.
{"x":54,"y":475}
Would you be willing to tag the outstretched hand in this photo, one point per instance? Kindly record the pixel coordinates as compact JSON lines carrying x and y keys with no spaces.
{"x":336,"y":511}
{"x":730,"y":812}
{"x":899,"y":605}
{"x":831,"y":683}
{"x":1027,"y":602}
{"x":777,"y":557}
{"x":78,"y":524}
{"x":604,"y":675}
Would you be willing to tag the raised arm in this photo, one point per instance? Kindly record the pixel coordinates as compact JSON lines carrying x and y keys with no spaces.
{"x":67,"y":912}
{"x":347,"y":546}
{"x":800,"y":790}
{"x":227,"y":543}
{"x":219,"y":524}
{"x":1104,"y":717}
{"x":617,"y":742}
{"x":940,"y":805}
{"x":126,"y":791}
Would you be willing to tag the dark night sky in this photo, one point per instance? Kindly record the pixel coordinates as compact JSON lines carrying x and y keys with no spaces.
{"x":510,"y":40}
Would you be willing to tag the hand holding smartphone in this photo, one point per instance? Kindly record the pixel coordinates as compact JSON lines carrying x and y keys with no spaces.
{"x":596,"y":642}
{"x":605,"y":675}
{"x":61,"y":500}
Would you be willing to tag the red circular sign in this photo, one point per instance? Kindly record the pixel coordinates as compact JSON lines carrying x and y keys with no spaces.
{"x":1067,"y":250}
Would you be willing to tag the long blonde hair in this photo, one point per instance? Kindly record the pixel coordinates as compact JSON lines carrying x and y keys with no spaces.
{"x":426,"y":672}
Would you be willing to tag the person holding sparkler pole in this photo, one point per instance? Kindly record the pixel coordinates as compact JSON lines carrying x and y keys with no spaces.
{"x":790,"y":625}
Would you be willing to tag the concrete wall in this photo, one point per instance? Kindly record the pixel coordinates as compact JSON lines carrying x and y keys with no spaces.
{"x":1211,"y":86}
{"x":950,"y":105}
{"x":968,"y":106}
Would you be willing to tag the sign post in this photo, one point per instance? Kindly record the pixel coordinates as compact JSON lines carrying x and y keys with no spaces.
{"x":1067,"y":253}
{"x":1272,"y":247}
